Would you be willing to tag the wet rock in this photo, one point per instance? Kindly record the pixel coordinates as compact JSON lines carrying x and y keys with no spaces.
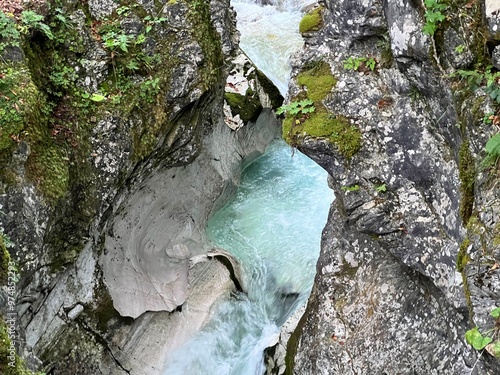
{"x":233,"y":266}
{"x":145,"y":226}
{"x":136,"y":347}
{"x":276,"y":354}
{"x":247,"y":92}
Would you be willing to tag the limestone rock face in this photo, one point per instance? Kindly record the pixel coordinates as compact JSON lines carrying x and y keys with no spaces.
{"x":160,"y":223}
{"x":109,"y":171}
{"x":395,"y":292}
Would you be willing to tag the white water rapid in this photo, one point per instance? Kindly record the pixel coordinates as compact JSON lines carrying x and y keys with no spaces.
{"x":270,"y":35}
{"x":272,"y":225}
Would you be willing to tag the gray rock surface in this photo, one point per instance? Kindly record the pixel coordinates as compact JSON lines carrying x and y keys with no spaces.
{"x":138,"y":271}
{"x":492,"y":8}
{"x":388,"y":295}
{"x":106,"y":284}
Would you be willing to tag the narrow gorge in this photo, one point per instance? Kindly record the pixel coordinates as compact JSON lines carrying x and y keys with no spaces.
{"x":154,"y":222}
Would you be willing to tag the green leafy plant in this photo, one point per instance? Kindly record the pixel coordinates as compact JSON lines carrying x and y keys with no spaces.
{"x":487,"y":79}
{"x":123,"y":10}
{"x":149,"y":89}
{"x":350,"y":188}
{"x":355,"y":63}
{"x":113,"y":41}
{"x":150,"y":22}
{"x":297,"y":107}
{"x":63,"y":77}
{"x":381,"y":188}
{"x":433,"y":15}
{"x":9,"y":35}
{"x":492,"y":149}
{"x":460,"y":49}
{"x":490,"y":340}
{"x":31,"y":20}
{"x":488,"y":118}
{"x":95,"y":97}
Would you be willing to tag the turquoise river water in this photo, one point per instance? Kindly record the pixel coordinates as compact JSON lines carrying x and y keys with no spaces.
{"x":272,"y":225}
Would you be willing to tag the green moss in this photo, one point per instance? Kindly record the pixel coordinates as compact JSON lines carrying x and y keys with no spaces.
{"x":17,"y":102}
{"x":4,"y":261}
{"x":48,"y":167}
{"x":462,"y":257}
{"x":9,"y":365}
{"x":153,"y":123}
{"x":248,"y":106}
{"x":320,"y":124}
{"x":24,"y":115}
{"x":475,"y":29}
{"x":311,"y":21}
{"x":209,"y":40}
{"x":467,"y":174}
{"x":462,"y":260}
{"x":318,"y":79}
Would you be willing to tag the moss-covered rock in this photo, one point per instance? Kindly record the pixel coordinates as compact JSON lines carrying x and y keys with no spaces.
{"x":10,"y":363}
{"x":4,"y":261}
{"x":467,"y":174}
{"x":17,"y":101}
{"x":320,"y":124}
{"x":247,"y":106}
{"x":318,"y":79}
{"x":311,"y":21}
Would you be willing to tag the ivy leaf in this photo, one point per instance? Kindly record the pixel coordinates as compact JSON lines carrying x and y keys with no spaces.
{"x":97,"y":97}
{"x":495,"y":312}
{"x":493,"y":148}
{"x":476,"y":339}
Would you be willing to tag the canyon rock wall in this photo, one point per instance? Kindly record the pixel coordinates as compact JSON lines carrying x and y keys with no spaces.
{"x":117,"y":143}
{"x":409,"y":258}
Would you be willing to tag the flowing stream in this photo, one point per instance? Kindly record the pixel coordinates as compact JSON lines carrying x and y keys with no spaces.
{"x":270,"y":35}
{"x":272,"y":225}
